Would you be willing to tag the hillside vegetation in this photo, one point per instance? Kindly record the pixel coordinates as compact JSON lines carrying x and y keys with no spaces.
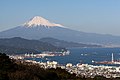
{"x":13,"y":70}
{"x":19,"y":45}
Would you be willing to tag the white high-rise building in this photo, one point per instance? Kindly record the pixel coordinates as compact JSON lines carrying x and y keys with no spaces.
{"x":112,"y":58}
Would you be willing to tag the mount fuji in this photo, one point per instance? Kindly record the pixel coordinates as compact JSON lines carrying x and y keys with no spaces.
{"x":38,"y":27}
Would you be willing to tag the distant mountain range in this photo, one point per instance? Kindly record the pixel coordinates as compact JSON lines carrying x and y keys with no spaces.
{"x":38,"y":28}
{"x":18,"y":45}
{"x":62,"y":43}
{"x":21,"y":45}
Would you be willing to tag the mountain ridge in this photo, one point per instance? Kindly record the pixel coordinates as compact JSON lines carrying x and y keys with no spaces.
{"x":17,"y":44}
{"x":62,"y":43}
{"x":61,"y":33}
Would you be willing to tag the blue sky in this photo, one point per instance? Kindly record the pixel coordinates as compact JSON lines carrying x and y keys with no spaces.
{"x":96,"y":16}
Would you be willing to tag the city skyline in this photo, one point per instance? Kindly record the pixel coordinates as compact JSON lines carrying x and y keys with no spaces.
{"x":88,"y":16}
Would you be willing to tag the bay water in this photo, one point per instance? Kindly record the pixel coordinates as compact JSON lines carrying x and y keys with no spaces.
{"x":85,"y":55}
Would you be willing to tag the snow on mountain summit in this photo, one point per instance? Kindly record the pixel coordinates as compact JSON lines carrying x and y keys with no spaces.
{"x":40,"y":21}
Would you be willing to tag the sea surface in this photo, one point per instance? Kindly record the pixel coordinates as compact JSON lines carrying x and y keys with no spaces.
{"x":85,"y":55}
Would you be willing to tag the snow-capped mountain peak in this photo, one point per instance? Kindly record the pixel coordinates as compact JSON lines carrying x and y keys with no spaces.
{"x":40,"y":21}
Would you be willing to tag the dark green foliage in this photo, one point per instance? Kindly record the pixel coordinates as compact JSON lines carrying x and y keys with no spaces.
{"x":51,"y":76}
{"x":3,"y":76}
{"x":63,"y":74}
{"x":6,"y":64}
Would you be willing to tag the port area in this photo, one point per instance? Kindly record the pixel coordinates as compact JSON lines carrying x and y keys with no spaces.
{"x":41,"y":55}
{"x":79,"y":69}
{"x":108,"y":62}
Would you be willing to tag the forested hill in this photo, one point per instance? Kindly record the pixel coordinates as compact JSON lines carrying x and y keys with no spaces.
{"x":19,"y":45}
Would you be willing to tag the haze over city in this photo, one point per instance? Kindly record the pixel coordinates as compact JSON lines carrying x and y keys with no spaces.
{"x":94,"y":16}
